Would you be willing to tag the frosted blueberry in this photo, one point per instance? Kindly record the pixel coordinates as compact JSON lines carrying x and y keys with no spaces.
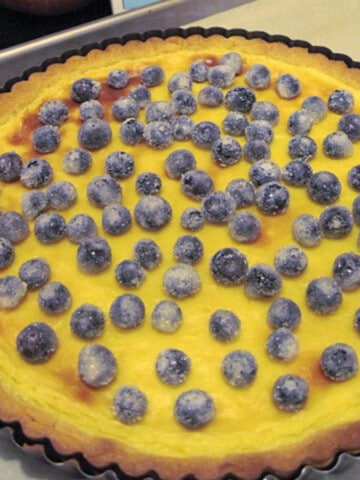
{"x":116,"y":219}
{"x":297,"y":172}
{"x":210,"y":96}
{"x":124,"y":108}
{"x":129,"y":274}
{"x":324,"y":187}
{"x":14,"y":226}
{"x":188,"y":249}
{"x":192,"y":219}
{"x":12,"y":292}
{"x":258,"y":76}
{"x":36,"y":173}
{"x":290,"y":393}
{"x":306,"y":230}
{"x":97,"y":365}
{"x":178,"y":162}
{"x":93,"y":255}
{"x":242,"y":191}
{"x":184,"y":102}
{"x":229,"y":266}
{"x":46,"y":139}
{"x":224,"y":325}
{"x":147,"y":253}
{"x":152,"y":212}
{"x":205,"y":133}
{"x":350,"y":124}
{"x":81,"y":226}
{"x":120,"y":164}
{"x":239,"y":368}
{"x":148,"y":183}
{"x":245,"y":227}
{"x":61,"y":195}
{"x":158,"y":134}
{"x":103,"y":190}
{"x":290,"y":261}
{"x":346,"y":271}
{"x":84,"y":89}
{"x":132,"y":131}
{"x":262,"y":280}
{"x":179,"y":81}
{"x":282,"y":345}
{"x":33,"y":203}
{"x":221,"y":76}
{"x":218,"y":207}
{"x":77,"y":161}
{"x":87,"y":321}
{"x":36,"y":342}
{"x":288,"y":86}
{"x":316,"y":108}
{"x":194,"y":409}
{"x":198,"y":71}
{"x":233,"y":60}
{"x":141,"y":94}
{"x":196,"y":184}
{"x":54,"y":298}
{"x":118,"y":78}
{"x":323,"y":295}
{"x":272,"y":198}
{"x":182,"y":127}
{"x":259,"y":130}
{"x":336,"y":221}
{"x":299,"y":122}
{"x":353,"y":177}
{"x":255,"y":150}
{"x":337,"y":145}
{"x":127,"y":311}
{"x":356,"y":210}
{"x":35,"y":272}
{"x":226,"y":151}
{"x":91,"y":109}
{"x":152,"y":75}
{"x":265,"y":110}
{"x":264,"y":171}
{"x":94,"y":134}
{"x":172,"y":366}
{"x":50,"y":228}
{"x":339,"y":362}
{"x":181,"y":281}
{"x":340,"y":101}
{"x":235,"y":123}
{"x":239,"y":99}
{"x":53,"y":112}
{"x":166,"y":316}
{"x":10,"y":167}
{"x":284,"y":313}
{"x":357,"y":320}
{"x":130,"y":404}
{"x":7,"y":253}
{"x":160,"y":110}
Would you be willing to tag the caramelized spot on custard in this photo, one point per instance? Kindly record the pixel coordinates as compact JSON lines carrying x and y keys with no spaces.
{"x":29,"y":123}
{"x":76,"y":387}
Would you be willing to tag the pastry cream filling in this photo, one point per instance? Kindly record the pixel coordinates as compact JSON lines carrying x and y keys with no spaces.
{"x":246,"y":419}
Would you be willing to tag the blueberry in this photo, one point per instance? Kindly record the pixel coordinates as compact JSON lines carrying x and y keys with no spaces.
{"x":239,"y":99}
{"x":288,"y":86}
{"x":94,"y":134}
{"x":160,"y":110}
{"x":181,"y":281}
{"x":54,"y":298}
{"x":258,"y":76}
{"x":228,"y":266}
{"x":205,"y":133}
{"x":132,"y":131}
{"x":141,"y":94}
{"x":290,"y":393}
{"x":50,"y":228}
{"x":152,"y":76}
{"x":299,"y":122}
{"x":290,"y":261}
{"x":316,"y":108}
{"x":61,"y":195}
{"x":172,"y":366}
{"x":226,"y":151}
{"x":158,"y":134}
{"x":91,"y":109}
{"x":259,"y":130}
{"x":357,"y":320}
{"x":255,"y":150}
{"x":221,"y":76}
{"x":77,"y":161}
{"x":194,"y":409}
{"x":233,"y":60}
{"x":182,"y":127}
{"x":192,"y":219}
{"x":152,"y":212}
{"x":46,"y":139}
{"x":148,"y":183}
{"x":87,"y":321}
{"x":235,"y":123}
{"x":118,"y":78}
{"x":179,"y":81}
{"x":265,"y":110}
{"x":337,"y":145}
{"x":282,"y":345}
{"x":103,"y":190}
{"x":33,"y":203}
{"x":340,"y":101}
{"x":196,"y":184}
{"x":97,"y":366}
{"x":120,"y":164}
{"x":306,"y":230}
{"x":210,"y":96}
{"x":350,"y":124}
{"x":339,"y":362}
{"x":14,"y":226}
{"x":93,"y":255}
{"x":178,"y":162}
{"x":53,"y":112}
{"x":198,"y":71}
{"x":224,"y":325}
{"x":130,"y":404}
{"x":35,"y":272}
{"x":127,"y":311}
{"x":297,"y":172}
{"x":323,"y":295}
{"x":84,"y":89}
{"x":7,"y":253}
{"x":353,"y":177}
{"x":124,"y":108}
{"x":218,"y":207}
{"x":272,"y":198}
{"x":284,"y":313}
{"x":242,"y":191}
{"x":37,"y":342}
{"x":147,"y":253}
{"x":12,"y":292}
{"x":36,"y":173}
{"x":264,"y":171}
{"x":130,"y":274}
{"x":336,"y":221}
{"x":262,"y":280}
{"x":81,"y":226}
{"x":184,"y":102}
{"x":10,"y":167}
{"x":245,"y":227}
{"x":356,"y":210}
{"x":239,"y":368}
{"x":116,"y":219}
{"x":166,"y":316}
{"x":346,"y":271}
{"x":188,"y":249}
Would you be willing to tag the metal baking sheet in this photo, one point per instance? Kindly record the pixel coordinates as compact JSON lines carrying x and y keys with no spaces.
{"x":163,"y":15}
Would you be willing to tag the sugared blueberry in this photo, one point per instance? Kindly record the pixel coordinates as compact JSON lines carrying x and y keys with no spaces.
{"x":118,"y":78}
{"x":36,"y":173}
{"x":196,"y":184}
{"x":323,"y":295}
{"x":132,"y":131}
{"x":226,"y":151}
{"x":120,"y":164}
{"x":210,"y":96}
{"x":54,"y":298}
{"x":148,"y":183}
{"x":353,"y":177}
{"x":192,"y":219}
{"x":242,"y":191}
{"x":306,"y":230}
{"x":337,"y":145}
{"x":255,"y":150}
{"x":147,"y":253}
{"x":284,"y":313}
{"x":103,"y":190}
{"x":258,"y":76}
{"x":224,"y":325}
{"x":235,"y":123}
{"x":316,"y":108}
{"x":46,"y":139}
{"x":288,"y":86}
{"x":94,"y":134}
{"x":166,"y":316}
{"x":194,"y":409}
{"x":178,"y":162}
{"x":233,"y":60}
{"x":290,"y":260}
{"x":93,"y":255}
{"x":7,"y":253}
{"x":87,"y":321}
{"x":129,"y":274}
{"x":182,"y":127}
{"x":336,"y":221}
{"x":152,"y":75}
{"x":184,"y":102}
{"x":130,"y":404}
{"x":205,"y":133}
{"x":282,"y":345}
{"x":124,"y":108}
{"x":340,"y":101}
{"x":53,"y":112}
{"x":84,"y":89}
{"x":299,"y":122}
{"x":290,"y":393}
{"x":272,"y":198}
{"x":77,"y":161}
{"x":356,"y":210}
{"x":50,"y":227}
{"x":198,"y":71}
{"x":127,"y":311}
{"x":33,"y":203}
{"x":36,"y":342}
{"x":160,"y":110}
{"x":61,"y":195}
{"x":91,"y":109}
{"x":221,"y":76}
{"x":350,"y":124}
{"x":346,"y":271}
{"x":10,"y":166}
{"x":35,"y":272}
{"x":81,"y":226}
{"x":239,"y":99}
{"x":116,"y":219}
{"x":12,"y":292}
{"x":141,"y":94}
{"x":239,"y":368}
{"x":179,"y":81}
{"x":172,"y":366}
{"x":97,"y":365}
{"x":158,"y":134}
{"x":152,"y":212}
{"x":245,"y":227}
{"x":181,"y":281}
{"x":229,"y":266}
{"x":14,"y":226}
{"x":264,"y":171}
{"x":262,"y":280}
{"x":265,"y":110}
{"x":188,"y":249}
{"x":339,"y":362}
{"x":297,"y":172}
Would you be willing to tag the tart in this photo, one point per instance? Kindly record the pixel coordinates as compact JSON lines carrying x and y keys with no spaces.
{"x":180,"y":256}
